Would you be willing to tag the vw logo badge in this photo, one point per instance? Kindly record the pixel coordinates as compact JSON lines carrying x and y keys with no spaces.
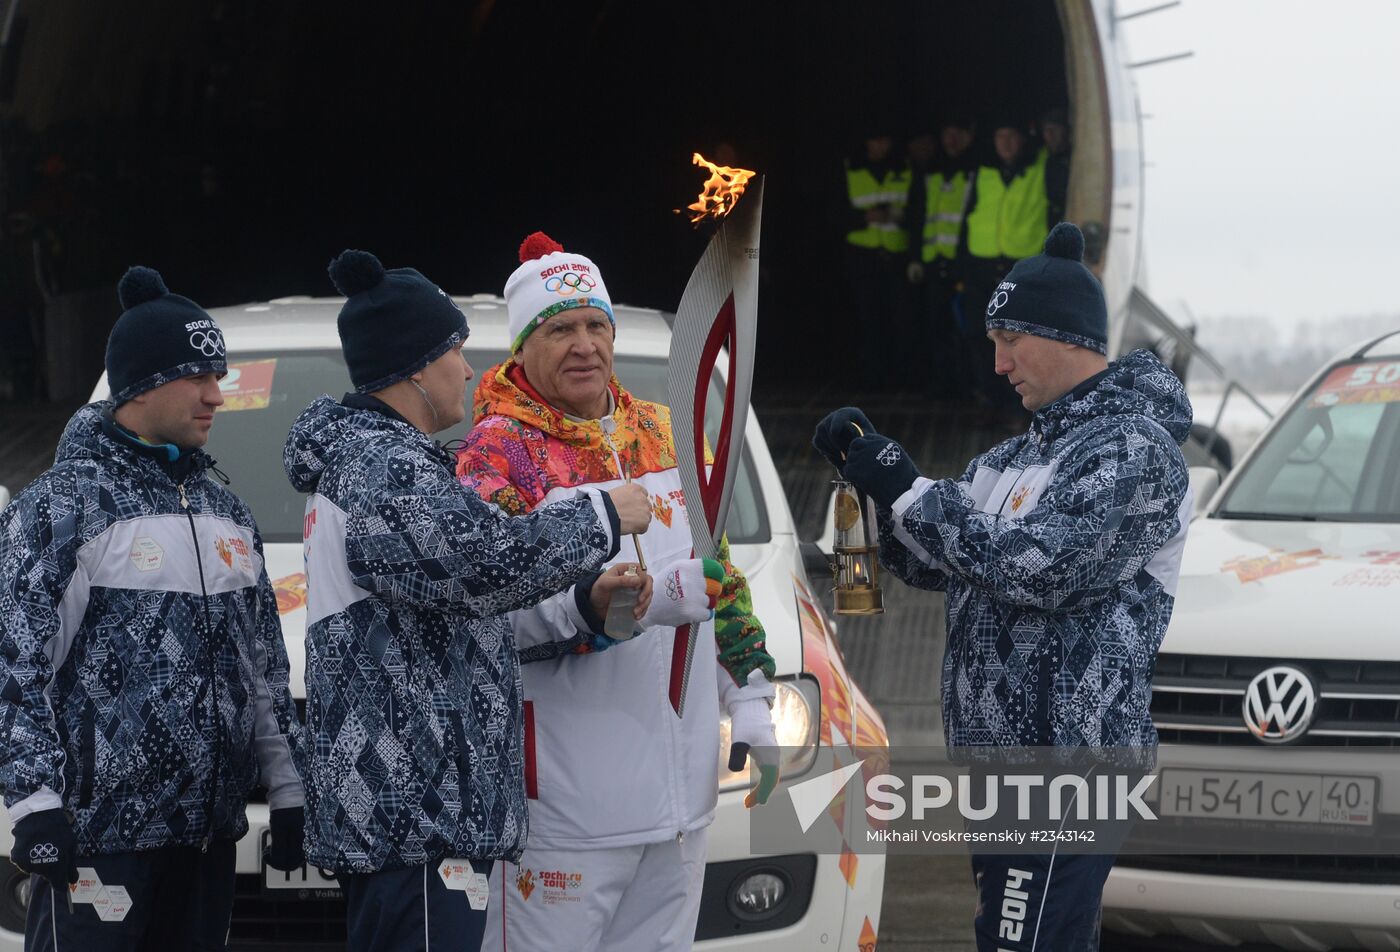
{"x":1279,"y":704}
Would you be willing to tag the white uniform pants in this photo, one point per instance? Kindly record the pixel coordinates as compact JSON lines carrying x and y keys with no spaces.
{"x":625,"y":899}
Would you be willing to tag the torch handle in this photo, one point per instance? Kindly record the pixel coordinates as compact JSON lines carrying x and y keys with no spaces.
{"x":636,"y":539}
{"x":627,"y":479}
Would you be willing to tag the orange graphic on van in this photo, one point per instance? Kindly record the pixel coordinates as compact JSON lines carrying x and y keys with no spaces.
{"x":1277,"y":562}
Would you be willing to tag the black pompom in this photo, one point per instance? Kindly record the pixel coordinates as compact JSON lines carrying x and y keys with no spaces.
{"x":140,"y":285}
{"x":355,"y":271}
{"x":1065,"y":241}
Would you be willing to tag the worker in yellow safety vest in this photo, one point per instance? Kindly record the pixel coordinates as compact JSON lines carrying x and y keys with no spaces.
{"x":1008,"y":217}
{"x":877,"y":191}
{"x":938,"y":203}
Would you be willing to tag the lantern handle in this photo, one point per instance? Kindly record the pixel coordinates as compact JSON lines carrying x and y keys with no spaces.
{"x":859,"y":432}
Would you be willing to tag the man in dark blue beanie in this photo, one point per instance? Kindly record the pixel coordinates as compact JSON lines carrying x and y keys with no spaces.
{"x":1059,"y":550}
{"x":412,"y":680}
{"x":144,"y":668}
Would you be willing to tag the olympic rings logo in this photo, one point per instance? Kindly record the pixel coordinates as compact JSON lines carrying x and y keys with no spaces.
{"x":997,"y":302}
{"x":889,"y":455}
{"x":43,"y":853}
{"x":209,"y":343}
{"x":571,"y":282}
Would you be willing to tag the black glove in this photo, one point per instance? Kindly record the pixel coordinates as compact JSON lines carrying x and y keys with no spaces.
{"x":880,"y":468}
{"x":46,"y":845}
{"x":285,"y":849}
{"x":835,"y":432}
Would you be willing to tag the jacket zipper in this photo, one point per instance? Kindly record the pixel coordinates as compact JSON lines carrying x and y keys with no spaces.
{"x":212,"y":676}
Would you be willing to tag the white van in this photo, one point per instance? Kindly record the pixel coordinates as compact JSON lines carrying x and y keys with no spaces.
{"x":1283,"y":644}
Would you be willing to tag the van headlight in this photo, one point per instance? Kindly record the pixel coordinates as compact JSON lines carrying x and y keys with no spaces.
{"x":796,"y":722}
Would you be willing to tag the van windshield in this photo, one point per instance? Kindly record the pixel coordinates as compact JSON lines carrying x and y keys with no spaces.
{"x":264,"y":392}
{"x":1335,"y":457}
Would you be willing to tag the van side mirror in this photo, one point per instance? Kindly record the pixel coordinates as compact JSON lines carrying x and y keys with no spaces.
{"x":1205,"y":480}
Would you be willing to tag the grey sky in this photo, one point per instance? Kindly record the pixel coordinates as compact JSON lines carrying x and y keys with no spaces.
{"x":1273,"y":185}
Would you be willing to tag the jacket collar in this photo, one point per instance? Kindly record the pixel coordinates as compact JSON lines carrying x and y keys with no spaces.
{"x":505,"y":391}
{"x":109,"y":439}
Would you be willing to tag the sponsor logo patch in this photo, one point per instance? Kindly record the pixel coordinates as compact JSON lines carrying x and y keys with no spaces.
{"x":232,"y":547}
{"x":147,"y":555}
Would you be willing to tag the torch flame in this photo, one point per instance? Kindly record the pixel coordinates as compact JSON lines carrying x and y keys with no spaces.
{"x":721,"y":191}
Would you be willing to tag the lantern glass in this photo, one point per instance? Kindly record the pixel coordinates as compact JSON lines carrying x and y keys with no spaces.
{"x":855,"y":546}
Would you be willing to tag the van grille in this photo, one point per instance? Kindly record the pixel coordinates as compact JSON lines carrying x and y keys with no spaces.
{"x":1199,"y":699}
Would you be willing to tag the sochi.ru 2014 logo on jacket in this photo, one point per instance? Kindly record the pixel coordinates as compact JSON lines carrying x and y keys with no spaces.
{"x":889,"y":455}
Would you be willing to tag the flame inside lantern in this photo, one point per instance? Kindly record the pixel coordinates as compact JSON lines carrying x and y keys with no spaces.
{"x":721,"y":192}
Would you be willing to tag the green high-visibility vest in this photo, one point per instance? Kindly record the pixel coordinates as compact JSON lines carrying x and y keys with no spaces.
{"x":866,"y":192}
{"x":1009,"y":220}
{"x":943,"y":213}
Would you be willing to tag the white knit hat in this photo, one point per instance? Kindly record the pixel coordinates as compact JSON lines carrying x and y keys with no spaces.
{"x":550,"y":280}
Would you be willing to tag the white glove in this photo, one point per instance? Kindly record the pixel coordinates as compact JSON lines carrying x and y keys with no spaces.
{"x":683,"y":593}
{"x":751,"y":724}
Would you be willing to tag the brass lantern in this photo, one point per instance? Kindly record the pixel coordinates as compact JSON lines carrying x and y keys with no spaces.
{"x":855,"y":546}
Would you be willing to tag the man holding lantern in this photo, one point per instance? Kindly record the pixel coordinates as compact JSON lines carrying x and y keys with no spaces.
{"x":1059,"y":551}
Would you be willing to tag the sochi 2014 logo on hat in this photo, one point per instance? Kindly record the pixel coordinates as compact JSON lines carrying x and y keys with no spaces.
{"x":1001,"y":297}
{"x":206,"y":338}
{"x":569,"y":278}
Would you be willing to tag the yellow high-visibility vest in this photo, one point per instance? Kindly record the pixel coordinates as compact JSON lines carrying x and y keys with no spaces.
{"x":943,"y":213}
{"x":865,"y":192}
{"x":1009,"y":220}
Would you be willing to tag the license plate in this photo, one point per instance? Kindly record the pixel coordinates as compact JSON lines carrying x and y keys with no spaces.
{"x":309,"y":879}
{"x":1272,"y":797}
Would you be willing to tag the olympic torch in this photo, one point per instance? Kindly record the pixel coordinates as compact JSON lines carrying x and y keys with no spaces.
{"x":717,"y":319}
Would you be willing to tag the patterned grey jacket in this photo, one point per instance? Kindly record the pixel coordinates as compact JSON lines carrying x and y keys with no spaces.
{"x":1059,"y":550}
{"x":143,"y":677}
{"x":412,"y":681}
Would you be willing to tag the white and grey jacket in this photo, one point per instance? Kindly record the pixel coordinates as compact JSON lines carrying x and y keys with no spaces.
{"x":143,"y":676}
{"x":413,"y":686}
{"x":1060,"y":551}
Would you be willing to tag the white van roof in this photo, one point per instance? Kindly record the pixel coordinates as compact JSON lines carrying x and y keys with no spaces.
{"x":307,"y":323}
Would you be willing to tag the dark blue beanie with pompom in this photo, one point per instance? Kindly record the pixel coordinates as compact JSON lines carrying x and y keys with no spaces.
{"x":394,"y":322}
{"x":1053,"y":295}
{"x":159,"y":337}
